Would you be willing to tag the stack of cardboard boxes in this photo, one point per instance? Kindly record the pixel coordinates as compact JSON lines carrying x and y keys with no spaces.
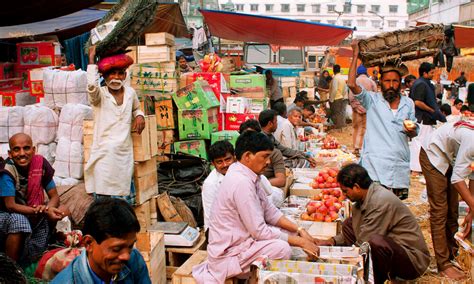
{"x":307,"y":83}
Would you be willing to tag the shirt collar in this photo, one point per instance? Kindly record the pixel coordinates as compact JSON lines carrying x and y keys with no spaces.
{"x":247,"y":171}
{"x":366,"y":201}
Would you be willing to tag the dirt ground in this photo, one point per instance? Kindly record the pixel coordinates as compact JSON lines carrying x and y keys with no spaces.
{"x":417,"y":205}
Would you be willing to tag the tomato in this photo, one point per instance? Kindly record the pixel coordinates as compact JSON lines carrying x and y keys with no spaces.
{"x":33,"y":56}
{"x":25,"y":58}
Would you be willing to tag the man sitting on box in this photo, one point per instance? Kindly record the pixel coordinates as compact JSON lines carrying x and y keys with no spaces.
{"x":293,"y":157}
{"x":24,"y":214}
{"x":382,"y":220}
{"x":109,"y":170}
{"x":286,"y":131}
{"x":244,"y":225}
{"x":110,"y":231}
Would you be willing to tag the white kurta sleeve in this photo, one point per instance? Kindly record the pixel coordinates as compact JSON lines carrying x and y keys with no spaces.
{"x":93,"y":87}
{"x":136,"y":111}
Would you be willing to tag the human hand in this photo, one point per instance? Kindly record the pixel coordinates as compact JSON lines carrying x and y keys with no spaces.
{"x":324,"y":243}
{"x":310,"y":247}
{"x":138,"y":124}
{"x":54,"y":214}
{"x":312,"y":162}
{"x":92,"y":54}
{"x":305,"y":235}
{"x":409,"y":126}
{"x":355,"y":48}
{"x":467,"y":225}
{"x":40,"y":208}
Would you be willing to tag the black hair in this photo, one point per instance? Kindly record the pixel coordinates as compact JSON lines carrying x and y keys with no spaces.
{"x":250,"y":124}
{"x":456,"y":101}
{"x":253,"y":142}
{"x":354,"y":174}
{"x":299,"y":99}
{"x":464,"y":108}
{"x":409,"y":78}
{"x":280,"y":108}
{"x":220,"y":150}
{"x":266,"y":117}
{"x":110,"y":217}
{"x":462,"y":73}
{"x":310,"y":108}
{"x":445,"y":109}
{"x":425,"y":67}
{"x":182,"y":56}
{"x":336,"y":69}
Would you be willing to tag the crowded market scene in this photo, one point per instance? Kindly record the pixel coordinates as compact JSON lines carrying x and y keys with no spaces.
{"x":237,"y":141}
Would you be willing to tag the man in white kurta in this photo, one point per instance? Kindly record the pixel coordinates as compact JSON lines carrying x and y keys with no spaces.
{"x":286,"y":130}
{"x":110,"y":166}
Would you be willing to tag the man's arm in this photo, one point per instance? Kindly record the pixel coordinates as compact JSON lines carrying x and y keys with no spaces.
{"x":351,"y":81}
{"x":209,"y":189}
{"x":285,"y":138}
{"x":93,"y":87}
{"x":139,"y":122}
{"x":418,"y":96}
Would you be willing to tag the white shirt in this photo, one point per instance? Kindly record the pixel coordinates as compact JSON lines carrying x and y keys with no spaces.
{"x":209,"y":192}
{"x":286,"y":134}
{"x":450,"y":146}
{"x":280,"y":120}
{"x":109,"y":169}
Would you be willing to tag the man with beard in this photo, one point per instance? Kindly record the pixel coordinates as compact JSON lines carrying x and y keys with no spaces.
{"x":110,"y":167}
{"x":385,"y":152}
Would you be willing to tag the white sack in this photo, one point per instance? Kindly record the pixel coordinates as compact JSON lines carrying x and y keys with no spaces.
{"x":48,"y":151}
{"x":59,"y":181}
{"x":62,"y":87}
{"x":4,"y":147}
{"x":69,"y":159}
{"x":71,"y":120}
{"x":11,"y":122}
{"x":41,"y":124}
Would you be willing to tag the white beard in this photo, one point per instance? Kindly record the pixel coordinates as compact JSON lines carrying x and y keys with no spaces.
{"x":115,"y":84}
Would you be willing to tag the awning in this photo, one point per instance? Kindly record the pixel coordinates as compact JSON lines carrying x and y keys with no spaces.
{"x":278,"y":31}
{"x":29,"y":11}
{"x":463,"y":36}
{"x":169,"y":19}
{"x":64,"y":27}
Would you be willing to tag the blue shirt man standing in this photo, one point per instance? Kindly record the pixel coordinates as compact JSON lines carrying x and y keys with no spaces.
{"x":385,"y":153}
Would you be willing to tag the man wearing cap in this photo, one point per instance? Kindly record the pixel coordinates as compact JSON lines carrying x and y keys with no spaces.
{"x":358,"y":111}
{"x":116,"y":114}
{"x":385,"y":152}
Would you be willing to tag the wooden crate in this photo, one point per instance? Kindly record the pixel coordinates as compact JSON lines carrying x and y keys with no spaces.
{"x":152,"y":247}
{"x":153,"y":135}
{"x":154,"y":84}
{"x":183,"y":275}
{"x":163,"y":70}
{"x":143,"y":215}
{"x":141,"y":144}
{"x":144,"y":168}
{"x":159,"y":39}
{"x":151,"y":54}
{"x":164,"y":113}
{"x":153,"y":211}
{"x":165,"y":140}
{"x":146,"y":187}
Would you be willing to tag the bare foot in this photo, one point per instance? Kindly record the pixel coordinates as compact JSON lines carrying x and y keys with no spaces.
{"x":453,"y":273}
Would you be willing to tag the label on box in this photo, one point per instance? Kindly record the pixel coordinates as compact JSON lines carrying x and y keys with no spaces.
{"x":233,"y":121}
{"x":237,"y":105}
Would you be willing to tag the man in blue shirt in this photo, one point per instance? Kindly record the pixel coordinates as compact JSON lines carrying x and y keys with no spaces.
{"x":110,"y":231}
{"x":385,"y":152}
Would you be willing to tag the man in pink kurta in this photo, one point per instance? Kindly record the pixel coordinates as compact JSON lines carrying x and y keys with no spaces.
{"x":243,"y":223}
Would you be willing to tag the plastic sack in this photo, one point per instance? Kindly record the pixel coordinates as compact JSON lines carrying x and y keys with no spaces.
{"x":48,"y":151}
{"x":71,"y":121}
{"x":62,"y":87}
{"x":41,"y":124}
{"x":69,"y":159}
{"x":11,"y":122}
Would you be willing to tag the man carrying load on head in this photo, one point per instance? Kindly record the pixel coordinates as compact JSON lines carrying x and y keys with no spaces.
{"x":116,"y":115}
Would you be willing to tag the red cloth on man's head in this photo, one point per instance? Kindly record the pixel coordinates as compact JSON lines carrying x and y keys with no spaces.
{"x":119,"y":61}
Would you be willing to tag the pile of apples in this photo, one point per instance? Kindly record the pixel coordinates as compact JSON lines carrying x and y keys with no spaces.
{"x":327,"y":154}
{"x":325,"y":210}
{"x":330,"y":143}
{"x":326,"y":179}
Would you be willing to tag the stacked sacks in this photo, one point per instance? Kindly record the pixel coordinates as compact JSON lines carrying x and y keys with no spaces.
{"x":11,"y":122}
{"x":69,"y":153}
{"x":63,"y":87}
{"x":48,"y":151}
{"x":41,"y":124}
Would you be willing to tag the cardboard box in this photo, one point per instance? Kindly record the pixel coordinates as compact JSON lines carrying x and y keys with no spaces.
{"x":287,"y":82}
{"x":14,"y":83}
{"x":258,"y":105}
{"x":289,"y":92}
{"x":152,"y":247}
{"x":159,"y":39}
{"x":198,"y":95}
{"x":197,"y":123}
{"x":165,"y":138}
{"x":16,"y":98}
{"x":192,"y":147}
{"x":237,"y":105}
{"x":35,"y":81}
{"x":23,"y":74}
{"x":7,"y":70}
{"x":232,"y":121}
{"x":249,"y":86}
{"x":164,"y":113}
{"x":230,"y":136}
{"x":151,"y":54}
{"x":216,"y":81}
{"x":37,"y":54}
{"x":143,"y":215}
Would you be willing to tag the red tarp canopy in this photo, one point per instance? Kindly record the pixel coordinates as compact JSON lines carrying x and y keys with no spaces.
{"x":463,"y":36}
{"x":278,"y":31}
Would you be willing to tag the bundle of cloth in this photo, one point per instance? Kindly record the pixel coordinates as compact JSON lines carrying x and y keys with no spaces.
{"x":63,"y":87}
{"x":11,"y":122}
{"x":41,"y":124}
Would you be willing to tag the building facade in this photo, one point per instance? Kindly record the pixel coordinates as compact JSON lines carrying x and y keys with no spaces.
{"x":442,"y":11}
{"x":369,"y":17}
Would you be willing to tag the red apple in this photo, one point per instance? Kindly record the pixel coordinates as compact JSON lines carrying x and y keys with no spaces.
{"x":323,"y":209}
{"x":337,"y":205}
{"x":327,"y":219}
{"x":328,"y":203}
{"x":314,"y":185}
{"x":332,"y":173}
{"x":316,"y":197}
{"x":318,"y":217}
{"x":320,"y":179}
{"x":325,"y":176}
{"x":333,"y":208}
{"x":330,"y":179}
{"x":334,"y":185}
{"x":333,"y":215}
{"x":336,"y":193}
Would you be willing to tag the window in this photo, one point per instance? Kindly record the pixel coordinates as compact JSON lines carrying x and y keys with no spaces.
{"x":332,"y":22}
{"x":360,"y":8}
{"x":393,"y":8}
{"x":239,"y":7}
{"x":375,"y":8}
{"x":347,"y":8}
{"x":254,"y":7}
{"x":258,"y":53}
{"x":269,"y":7}
{"x":392,"y":24}
{"x":375,"y":23}
{"x":291,"y":56}
{"x":347,"y":23}
{"x":300,"y":7}
{"x":361,"y":23}
{"x":316,"y":8}
{"x":331,"y":8}
{"x":285,"y":8}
